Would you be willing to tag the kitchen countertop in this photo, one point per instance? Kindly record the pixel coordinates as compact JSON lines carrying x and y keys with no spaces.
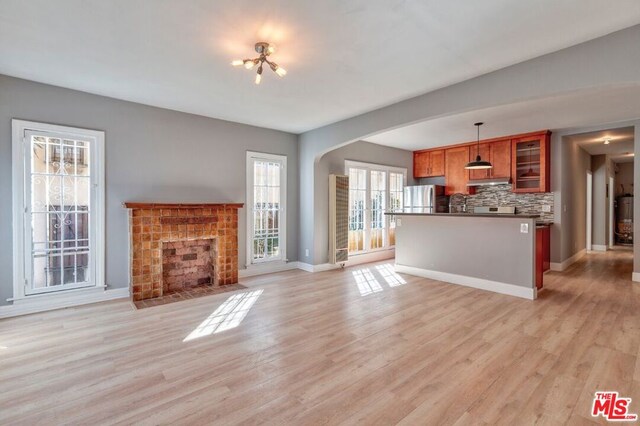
{"x":516,"y":216}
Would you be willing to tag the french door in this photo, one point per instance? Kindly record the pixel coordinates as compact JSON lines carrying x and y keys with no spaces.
{"x":61,"y":226}
{"x":373,"y":191}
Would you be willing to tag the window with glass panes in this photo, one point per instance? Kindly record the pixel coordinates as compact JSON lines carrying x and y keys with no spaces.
{"x":266,"y":200}
{"x":373,"y":191}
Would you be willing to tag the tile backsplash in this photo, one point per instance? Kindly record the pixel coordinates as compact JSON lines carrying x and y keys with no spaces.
{"x":501,"y":195}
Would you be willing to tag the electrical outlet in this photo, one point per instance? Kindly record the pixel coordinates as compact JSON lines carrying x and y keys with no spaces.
{"x":524,"y":228}
{"x":398,"y":222}
{"x":306,"y":252}
{"x":546,"y":208}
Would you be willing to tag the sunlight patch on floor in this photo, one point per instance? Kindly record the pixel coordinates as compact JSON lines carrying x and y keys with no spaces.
{"x":228,"y":315}
{"x":389,"y":275}
{"x":367,"y":283}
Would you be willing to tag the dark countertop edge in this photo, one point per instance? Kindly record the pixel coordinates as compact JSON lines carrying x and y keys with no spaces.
{"x":511,"y":216}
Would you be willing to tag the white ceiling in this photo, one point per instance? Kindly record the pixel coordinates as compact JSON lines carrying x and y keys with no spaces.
{"x":620,"y":147}
{"x":589,"y":108}
{"x":343,"y":57}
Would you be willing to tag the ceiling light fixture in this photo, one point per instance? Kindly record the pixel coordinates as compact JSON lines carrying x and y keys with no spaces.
{"x":607,"y":141}
{"x":264,"y":50}
{"x":479,"y":164}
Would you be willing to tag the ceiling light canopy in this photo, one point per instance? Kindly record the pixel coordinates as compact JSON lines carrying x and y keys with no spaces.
{"x":264,"y":50}
{"x":479,"y":163}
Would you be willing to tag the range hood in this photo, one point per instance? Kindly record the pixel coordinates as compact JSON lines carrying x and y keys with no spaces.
{"x":489,"y":182}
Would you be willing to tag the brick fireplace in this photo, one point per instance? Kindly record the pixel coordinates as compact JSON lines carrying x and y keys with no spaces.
{"x":176,"y":247}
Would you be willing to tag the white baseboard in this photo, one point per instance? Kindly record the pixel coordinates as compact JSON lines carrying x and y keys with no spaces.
{"x":598,"y":247}
{"x":305,"y":266}
{"x":376,"y":256}
{"x":64,"y":299}
{"x":559,"y":267}
{"x":635,"y":277}
{"x":357,"y":259}
{"x":267,"y":268}
{"x":479,"y":283}
{"x":317,"y":268}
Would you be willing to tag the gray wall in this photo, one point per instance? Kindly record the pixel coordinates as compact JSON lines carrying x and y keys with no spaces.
{"x":489,"y":248}
{"x":574,"y":163}
{"x":333,"y":162}
{"x":546,"y":76}
{"x":152,"y":154}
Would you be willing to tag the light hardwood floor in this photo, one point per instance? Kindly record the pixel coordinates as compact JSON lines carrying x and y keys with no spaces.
{"x":321,"y":349}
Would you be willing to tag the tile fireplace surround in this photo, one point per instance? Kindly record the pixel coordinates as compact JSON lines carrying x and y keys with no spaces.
{"x":156,"y":227}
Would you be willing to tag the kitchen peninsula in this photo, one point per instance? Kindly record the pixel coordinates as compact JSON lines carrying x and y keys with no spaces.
{"x":485,"y":251}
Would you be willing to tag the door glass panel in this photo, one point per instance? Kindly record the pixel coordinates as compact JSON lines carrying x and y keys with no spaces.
{"x":378,"y":207}
{"x":59,"y":209}
{"x":396,"y":188}
{"x":357,"y":208}
{"x":266,"y":210}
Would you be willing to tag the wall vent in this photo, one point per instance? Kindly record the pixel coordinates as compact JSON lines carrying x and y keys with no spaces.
{"x":338,"y":219}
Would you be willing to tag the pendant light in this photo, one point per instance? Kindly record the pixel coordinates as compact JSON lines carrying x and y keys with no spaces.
{"x":530,"y":173}
{"x":479,"y":163}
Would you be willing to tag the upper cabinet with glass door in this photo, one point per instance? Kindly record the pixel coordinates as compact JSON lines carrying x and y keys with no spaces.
{"x":530,"y":162}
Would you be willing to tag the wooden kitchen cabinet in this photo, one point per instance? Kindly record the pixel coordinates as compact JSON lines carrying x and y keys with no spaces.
{"x":530,"y":165}
{"x":437,"y":162}
{"x":501,"y":159}
{"x":428,"y":163}
{"x":499,"y":154}
{"x":543,"y":253}
{"x":456,"y":176}
{"x":420,"y":164}
{"x":523,"y":158}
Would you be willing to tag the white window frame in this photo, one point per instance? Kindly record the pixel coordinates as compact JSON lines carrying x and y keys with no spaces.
{"x":20,"y":204}
{"x":367,"y":221}
{"x":282,"y":159}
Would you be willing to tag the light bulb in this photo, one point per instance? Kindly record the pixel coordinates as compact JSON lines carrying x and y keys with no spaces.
{"x":270,"y":50}
{"x":258,"y":78}
{"x":248,"y":64}
{"x":607,"y":141}
{"x":281,"y":71}
{"x":237,"y":62}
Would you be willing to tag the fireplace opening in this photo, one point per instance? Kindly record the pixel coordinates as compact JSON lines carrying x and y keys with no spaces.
{"x":188,"y":264}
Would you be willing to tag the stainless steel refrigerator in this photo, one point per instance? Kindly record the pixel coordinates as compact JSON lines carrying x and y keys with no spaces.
{"x":425,"y":199}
